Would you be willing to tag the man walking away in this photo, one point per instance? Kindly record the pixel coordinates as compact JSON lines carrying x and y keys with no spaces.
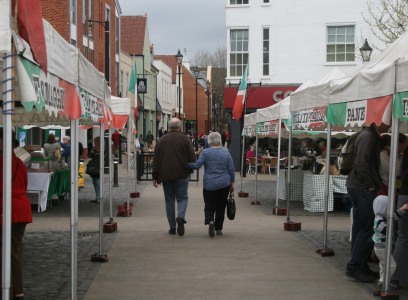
{"x":172,"y":154}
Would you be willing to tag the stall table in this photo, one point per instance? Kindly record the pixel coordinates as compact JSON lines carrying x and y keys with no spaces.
{"x":47,"y":184}
{"x":296,"y":184}
{"x":313,"y":190}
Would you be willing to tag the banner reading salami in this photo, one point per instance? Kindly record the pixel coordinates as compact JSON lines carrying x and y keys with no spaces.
{"x":309,"y":118}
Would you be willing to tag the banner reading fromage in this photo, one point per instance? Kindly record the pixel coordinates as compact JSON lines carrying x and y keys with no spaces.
{"x":309,"y":118}
{"x":359,"y":113}
{"x":58,"y":97}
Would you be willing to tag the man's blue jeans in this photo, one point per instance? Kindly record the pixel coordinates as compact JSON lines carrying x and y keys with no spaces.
{"x":362,"y":229}
{"x":176,"y":190}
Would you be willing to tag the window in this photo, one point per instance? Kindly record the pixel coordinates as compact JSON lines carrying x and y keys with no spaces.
{"x":340,"y":44}
{"x":265,"y":1}
{"x":238,"y":2}
{"x":265,"y":50}
{"x":239,"y":51}
{"x":127,"y":84}
{"x":73,"y":11}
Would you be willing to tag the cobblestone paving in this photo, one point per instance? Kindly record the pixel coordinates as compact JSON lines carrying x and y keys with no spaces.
{"x":47,"y":255}
{"x":47,"y":262}
{"x":337,"y":240}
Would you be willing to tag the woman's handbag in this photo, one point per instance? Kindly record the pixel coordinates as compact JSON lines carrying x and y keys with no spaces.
{"x":92,"y":168}
{"x":231,"y":208}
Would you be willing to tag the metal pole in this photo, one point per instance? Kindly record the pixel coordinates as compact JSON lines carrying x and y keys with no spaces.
{"x":326,"y":189}
{"x":196,"y":117}
{"x":74,"y":208}
{"x":278,"y":164}
{"x":179,"y":91}
{"x":107,"y":56}
{"x":7,"y":148}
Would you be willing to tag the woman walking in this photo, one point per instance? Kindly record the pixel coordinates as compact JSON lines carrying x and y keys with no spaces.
{"x":219,"y":177}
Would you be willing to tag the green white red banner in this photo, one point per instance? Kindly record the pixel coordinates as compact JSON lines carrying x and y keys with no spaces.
{"x":268,"y":128}
{"x":362,"y":112}
{"x":58,"y":97}
{"x":311,"y":118}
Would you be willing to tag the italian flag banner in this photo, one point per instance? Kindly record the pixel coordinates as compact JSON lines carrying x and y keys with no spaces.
{"x":58,"y":97}
{"x":268,"y":128}
{"x":312,"y":118}
{"x":400,"y":109}
{"x":249,"y":130}
{"x":362,"y":112}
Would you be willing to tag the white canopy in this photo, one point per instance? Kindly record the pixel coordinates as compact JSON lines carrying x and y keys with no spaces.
{"x":314,"y":95}
{"x":376,"y":78}
{"x":121,"y":111}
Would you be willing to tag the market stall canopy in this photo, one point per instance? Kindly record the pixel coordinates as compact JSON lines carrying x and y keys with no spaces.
{"x":377,"y":78}
{"x":71,"y":89}
{"x":121,"y":111}
{"x":249,"y":125}
{"x":308,"y":105}
{"x":314,"y":95}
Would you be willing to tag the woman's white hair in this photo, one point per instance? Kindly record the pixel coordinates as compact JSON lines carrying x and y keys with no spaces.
{"x":214,"y":139}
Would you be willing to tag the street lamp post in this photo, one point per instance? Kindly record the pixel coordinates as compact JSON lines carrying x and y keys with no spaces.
{"x":105,"y":25}
{"x":179,"y":58}
{"x":207,"y":83}
{"x":196,"y":74}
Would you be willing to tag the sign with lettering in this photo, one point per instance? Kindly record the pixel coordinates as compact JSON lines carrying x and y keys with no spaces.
{"x":309,"y":118}
{"x":58,"y":97}
{"x":268,"y":128}
{"x":362,"y":112}
{"x":249,"y":130}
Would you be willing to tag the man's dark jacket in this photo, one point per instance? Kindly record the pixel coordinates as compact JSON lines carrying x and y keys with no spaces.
{"x":172,"y":154}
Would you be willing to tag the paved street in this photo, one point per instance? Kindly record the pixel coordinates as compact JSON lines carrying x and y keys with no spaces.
{"x":254,"y":259}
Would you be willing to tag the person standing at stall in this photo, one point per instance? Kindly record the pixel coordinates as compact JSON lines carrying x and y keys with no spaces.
{"x":363,"y":184}
{"x":20,"y":216}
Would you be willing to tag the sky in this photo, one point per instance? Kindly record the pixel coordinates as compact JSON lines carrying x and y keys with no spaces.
{"x":181,"y":24}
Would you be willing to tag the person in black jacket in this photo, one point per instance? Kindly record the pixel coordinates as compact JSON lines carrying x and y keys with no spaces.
{"x":363,"y":184}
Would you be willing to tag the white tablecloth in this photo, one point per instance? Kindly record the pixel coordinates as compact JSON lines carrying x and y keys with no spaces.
{"x":40,"y":182}
{"x":313,"y":190}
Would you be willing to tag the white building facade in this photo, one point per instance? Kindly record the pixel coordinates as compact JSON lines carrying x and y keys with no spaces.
{"x":165,"y":93}
{"x":287,"y":42}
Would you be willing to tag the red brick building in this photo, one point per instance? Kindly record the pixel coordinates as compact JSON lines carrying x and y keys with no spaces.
{"x":70,"y":19}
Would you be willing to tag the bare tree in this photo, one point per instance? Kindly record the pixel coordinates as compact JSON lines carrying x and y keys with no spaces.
{"x":388,"y":19}
{"x":216,"y":59}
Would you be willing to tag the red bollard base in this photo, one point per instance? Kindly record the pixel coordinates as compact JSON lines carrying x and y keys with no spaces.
{"x":243,"y":194}
{"x":99,"y":258}
{"x":254,"y":202}
{"x":279,"y":211}
{"x":292,"y":226}
{"x":325,"y":252}
{"x":386,"y":295}
{"x":110,"y":227}
{"x":135,"y":195}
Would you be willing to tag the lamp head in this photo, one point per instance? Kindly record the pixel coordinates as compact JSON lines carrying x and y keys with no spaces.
{"x":366,"y":51}
{"x":179,"y":57}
